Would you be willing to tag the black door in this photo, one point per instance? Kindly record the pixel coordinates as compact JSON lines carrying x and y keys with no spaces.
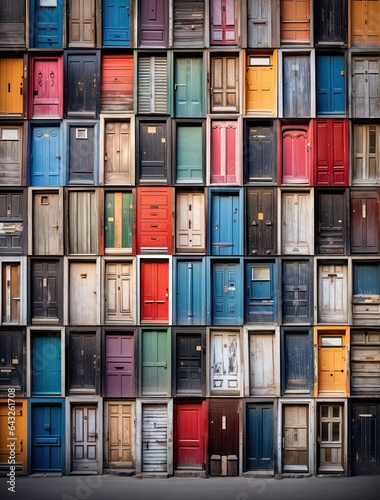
{"x":81,"y":154}
{"x":189,"y":364}
{"x":152,"y":151}
{"x":84,"y":362}
{"x":11,"y":360}
{"x":261,"y":155}
{"x":262,"y":226}
{"x":296,"y":292}
{"x":331,"y":21}
{"x":11,"y":222}
{"x":45,"y":291}
{"x":331,"y":222}
{"x":365,"y":451}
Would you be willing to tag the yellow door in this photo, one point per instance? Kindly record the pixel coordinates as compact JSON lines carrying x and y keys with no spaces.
{"x":331,"y":364}
{"x":11,"y":86}
{"x":15,"y":433}
{"x":261,"y":85}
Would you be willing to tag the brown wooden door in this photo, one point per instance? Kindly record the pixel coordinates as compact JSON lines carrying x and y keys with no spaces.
{"x":295,"y":455}
{"x":81,"y":23}
{"x":117,"y":155}
{"x":120,"y":435}
{"x":365,"y":23}
{"x":224,"y":436}
{"x":11,"y":86}
{"x":84,"y":425}
{"x":225,"y":84}
{"x":11,"y":293}
{"x":364,"y":222}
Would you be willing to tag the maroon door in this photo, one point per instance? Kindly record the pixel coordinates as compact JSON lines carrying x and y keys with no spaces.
{"x":120,"y":377}
{"x":331,"y":152}
{"x":224,"y":152}
{"x":223,"y":22}
{"x":46,"y":89}
{"x":154,"y":288}
{"x":189,"y":435}
{"x":295,"y":155}
{"x":364,"y":222}
{"x":153,"y":22}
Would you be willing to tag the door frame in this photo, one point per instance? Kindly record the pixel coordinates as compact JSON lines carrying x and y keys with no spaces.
{"x":22,"y":261}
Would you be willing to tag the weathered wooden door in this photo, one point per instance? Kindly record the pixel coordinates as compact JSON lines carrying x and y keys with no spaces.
{"x":84,"y":361}
{"x":189,"y":155}
{"x":331,"y":156}
{"x":116,"y":82}
{"x":83,"y":222}
{"x":261,"y":157}
{"x":81,"y":165}
{"x":118,"y":222}
{"x":365,"y":23}
{"x":262,"y":221}
{"x":224,"y":84}
{"x":46,"y":26}
{"x":83,"y":295}
{"x":46,"y":363}
{"x":190,"y":222}
{"x":366,"y":161}
{"x":154,"y":291}
{"x":366,"y":297}
{"x":11,"y":86}
{"x":188,"y":23}
{"x":333,"y":286}
{"x":84,"y":426}
{"x":332,"y":214}
{"x":118,"y":292}
{"x":331,"y":22}
{"x":47,"y":429}
{"x":189,"y":436}
{"x":364,"y":361}
{"x":12,"y":360}
{"x":225,"y":361}
{"x":365,"y":87}
{"x":330,"y":438}
{"x":224,"y":152}
{"x":153,"y":161}
{"x":81,"y":23}
{"x":225,"y":224}
{"x":296,"y":85}
{"x":259,"y":429}
{"x":224,"y":19}
{"x":116,"y":23}
{"x":224,"y":436}
{"x":45,"y":291}
{"x":297,"y":369}
{"x":117,"y":153}
{"x":331,"y":91}
{"x":295,"y":452}
{"x":47,"y":230}
{"x":11,"y":222}
{"x":295,"y":21}
{"x":261,"y":85}
{"x":121,"y":417}
{"x":46,"y":88}
{"x":82,"y":83}
{"x":11,"y":293}
{"x":296,"y":157}
{"x":11,"y":140}
{"x":152,"y":91}
{"x":364,"y":222}
{"x":297,"y":305}
{"x":365,"y":456}
{"x":263,"y":379}
{"x":19,"y":417}
{"x":259,"y":23}
{"x":154,"y":438}
{"x":153,"y":23}
{"x":120,"y":366}
{"x":260,"y":294}
{"x":188,"y":87}
{"x":45,"y":157}
{"x":227,"y":307}
{"x":12,"y":24}
{"x":332,"y":370}
{"x":297,"y":229}
{"x":190,"y":299}
{"x":189,"y":359}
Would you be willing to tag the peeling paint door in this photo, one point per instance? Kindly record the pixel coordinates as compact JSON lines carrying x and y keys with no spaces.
{"x":365,"y":457}
{"x":46,"y":24}
{"x":225,"y":361}
{"x":12,"y":229}
{"x":12,"y":360}
{"x":84,"y":425}
{"x":46,"y":89}
{"x":259,"y":23}
{"x":11,"y":140}
{"x":296,"y":86}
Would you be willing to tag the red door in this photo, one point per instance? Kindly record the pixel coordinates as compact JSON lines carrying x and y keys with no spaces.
{"x":189,"y":435}
{"x":46,"y":89}
{"x":154,"y":291}
{"x":331,"y":152}
{"x":223,"y":22}
{"x":295,"y":155}
{"x":224,"y":152}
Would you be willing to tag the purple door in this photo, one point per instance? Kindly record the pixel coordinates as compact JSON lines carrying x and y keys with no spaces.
{"x":153,"y":22}
{"x":120,"y":378}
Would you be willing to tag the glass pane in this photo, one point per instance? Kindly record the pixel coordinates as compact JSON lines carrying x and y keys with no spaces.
{"x":358,"y":139}
{"x":331,"y":341}
{"x":324,"y":411}
{"x":325,"y":431}
{"x":336,"y":431}
{"x":261,"y":273}
{"x":259,"y":61}
{"x":336,"y":411}
{"x":372,"y":140}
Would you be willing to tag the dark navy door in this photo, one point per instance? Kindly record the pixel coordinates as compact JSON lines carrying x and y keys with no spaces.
{"x":190,"y":293}
{"x":331,"y":96}
{"x":46,"y":363}
{"x":226,"y":294}
{"x":45,"y":156}
{"x":47,"y":437}
{"x":259,"y":437}
{"x":297,"y":361}
{"x":225,"y":224}
{"x":260,"y":292}
{"x":46,"y":24}
{"x":116,"y":23}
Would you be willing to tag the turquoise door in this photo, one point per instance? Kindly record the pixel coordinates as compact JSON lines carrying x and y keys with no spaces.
{"x":46,"y":363}
{"x":45,"y":157}
{"x":188,"y":87}
{"x":226,"y":231}
{"x":116,"y":23}
{"x":189,"y":153}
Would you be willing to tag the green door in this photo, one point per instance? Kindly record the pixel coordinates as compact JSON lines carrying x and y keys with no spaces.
{"x":189,"y":153}
{"x":118,"y":223}
{"x":188,"y":87}
{"x":155,"y":363}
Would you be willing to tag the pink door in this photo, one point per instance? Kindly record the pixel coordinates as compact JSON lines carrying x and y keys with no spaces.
{"x":46,"y":89}
{"x":224,"y":152}
{"x":223,"y":22}
{"x":295,"y":155}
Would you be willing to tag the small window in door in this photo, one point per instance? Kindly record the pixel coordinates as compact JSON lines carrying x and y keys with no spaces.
{"x":44,"y":200}
{"x":260,"y":274}
{"x":81,"y":133}
{"x":328,"y":341}
{"x":9,"y":134}
{"x":259,"y":61}
{"x":48,"y":3}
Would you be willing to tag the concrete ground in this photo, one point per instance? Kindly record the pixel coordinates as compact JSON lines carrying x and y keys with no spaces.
{"x":111,"y":487}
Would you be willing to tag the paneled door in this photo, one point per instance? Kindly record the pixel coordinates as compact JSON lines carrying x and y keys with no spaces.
{"x":47,"y":431}
{"x":46,"y":363}
{"x":330,"y":438}
{"x":118,"y":292}
{"x":188,"y":87}
{"x":81,"y":23}
{"x":227,"y":307}
{"x":260,"y":429}
{"x":117,"y":159}
{"x":224,"y":361}
{"x":45,"y":158}
{"x":120,"y":435}
{"x":84,"y":447}
{"x":120,"y":366}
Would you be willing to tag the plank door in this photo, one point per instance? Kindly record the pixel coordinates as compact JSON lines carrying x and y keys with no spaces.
{"x":120,"y":435}
{"x":47,"y":230}
{"x":295,"y":452}
{"x":18,"y":435}
{"x":45,"y":291}
{"x":225,"y":224}
{"x":332,"y":293}
{"x":11,"y":222}
{"x":331,"y":91}
{"x":154,"y":291}
{"x":11,"y":86}
{"x":11,"y":141}
{"x":296,"y":156}
{"x":120,"y":366}
{"x":224,"y":19}
{"x":154,"y":438}
{"x":365,"y":87}
{"x":226,"y":294}
{"x":153,"y":23}
{"x":298,"y":363}
{"x":262,"y":221}
{"x":366,"y":165}
{"x":46,"y":24}
{"x":116,"y":84}
{"x":188,"y":87}
{"x":81,"y":23}
{"x":152,"y":91}
{"x":82,"y":83}
{"x":223,"y":435}
{"x":295,"y":21}
{"x":364,"y":222}
{"x":84,"y":447}
{"x":189,"y":364}
{"x":365,"y":456}
{"x":12,"y":361}
{"x":190,"y":222}
{"x":259,"y":23}
{"x":189,"y":436}
{"x":153,"y":161}
{"x":83,"y":222}
{"x":190,"y":300}
{"x":331,"y":157}
{"x":224,"y":361}
{"x":224,"y":84}
{"x":332,"y":370}
{"x":189,"y":155}
{"x":46,"y":443}
{"x":46,"y":368}
{"x":84,"y":360}
{"x":296,"y":86}
{"x":261,"y":154}
{"x":260,"y":301}
{"x":259,"y":429}
{"x":330,"y":438}
{"x":296,"y":292}
{"x":155,"y":364}
{"x":12,"y":24}
{"x":364,"y":361}
{"x":116,"y":23}
{"x":262,"y":369}
{"x":117,"y":155}
{"x":45,"y":156}
{"x":46,"y":89}
{"x":261,"y":85}
{"x":224,"y":152}
{"x":118,"y":222}
{"x":118,"y":292}
{"x":83,"y":285}
{"x":365,"y":23}
{"x":331,"y":22}
{"x":81,"y":167}
{"x":188,"y":23}
{"x":11,"y":293}
{"x":297,"y":228}
{"x":331,"y":209}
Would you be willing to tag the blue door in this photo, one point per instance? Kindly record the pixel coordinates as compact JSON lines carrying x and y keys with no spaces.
{"x":260,"y":292}
{"x":47,"y":437}
{"x":226,"y":294}
{"x":46,"y":363}
{"x":259,"y":437}
{"x":46,"y":24}
{"x":116,"y":23}
{"x":297,"y":364}
{"x":45,"y":157}
{"x":225,"y":224}
{"x":190,"y":297}
{"x":330,"y":84}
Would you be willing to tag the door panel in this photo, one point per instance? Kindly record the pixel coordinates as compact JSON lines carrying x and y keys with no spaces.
{"x":259,"y":437}
{"x":225,"y":224}
{"x":46,"y":440}
{"x":120,"y":369}
{"x":154,"y":291}
{"x":296,"y":85}
{"x":296,"y":292}
{"x":81,"y":155}
{"x":11,"y":143}
{"x":153,"y":23}
{"x":259,"y":23}
{"x":155,"y":363}
{"x":118,"y":222}
{"x":365,"y":445}
{"x":12,"y":361}
{"x":84,"y":438}
{"x":81,"y":23}
{"x":119,"y":292}
{"x":296,"y":161}
{"x":225,"y":361}
{"x":223,"y":435}
{"x":45,"y":291}
{"x":295,"y":456}
{"x":364,"y":222}
{"x":225,"y":84}
{"x":331,"y":167}
{"x":262,"y":221}
{"x":83,"y":283}
{"x":154,"y":438}
{"x":188,"y":429}
{"x":226,"y":294}
{"x":46,"y":368}
{"x":84,"y":363}
{"x":46,"y":89}
{"x":116,"y":23}
{"x":190,"y":223}
{"x":120,"y":435}
{"x":11,"y":293}
{"x":45,"y":157}
{"x":295,"y":21}
{"x":117,"y":156}
{"x":189,"y":376}
{"x":12,"y":222}
{"x":224,"y":15}
{"x":262,"y":350}
{"x":11,"y":86}
{"x":330,"y":438}
{"x":298,"y":362}
{"x":188,"y":87}
{"x":332,"y":293}
{"x":297,"y":227}
{"x":190,"y":306}
{"x":224,"y":152}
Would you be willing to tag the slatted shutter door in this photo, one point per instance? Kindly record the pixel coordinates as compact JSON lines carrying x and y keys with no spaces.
{"x":188,"y":25}
{"x":83,"y":222}
{"x":152,"y":84}
{"x":154,"y":438}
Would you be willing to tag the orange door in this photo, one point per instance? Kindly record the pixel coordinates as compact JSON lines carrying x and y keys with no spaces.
{"x":295,"y":21}
{"x":11,"y":86}
{"x":9,"y":411}
{"x":365,"y":17}
{"x":331,"y":364}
